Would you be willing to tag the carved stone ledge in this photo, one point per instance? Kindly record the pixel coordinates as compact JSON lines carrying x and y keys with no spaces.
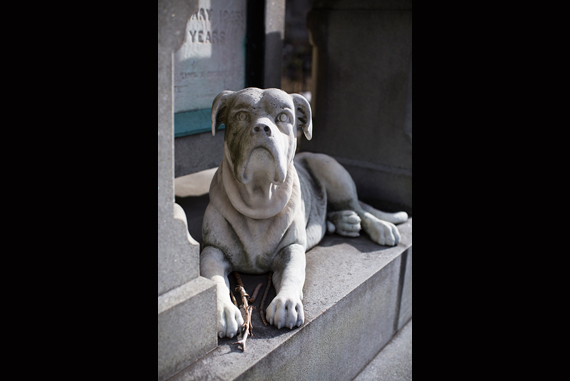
{"x":356,"y":299}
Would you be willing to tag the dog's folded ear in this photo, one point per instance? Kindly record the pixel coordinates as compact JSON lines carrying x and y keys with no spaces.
{"x":304,"y":115}
{"x":219,"y":109}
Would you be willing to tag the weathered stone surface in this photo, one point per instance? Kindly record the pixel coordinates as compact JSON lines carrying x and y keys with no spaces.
{"x":395,"y":362}
{"x":351,"y":302}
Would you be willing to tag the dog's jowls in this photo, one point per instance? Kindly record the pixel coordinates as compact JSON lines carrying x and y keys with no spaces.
{"x":268,"y":207}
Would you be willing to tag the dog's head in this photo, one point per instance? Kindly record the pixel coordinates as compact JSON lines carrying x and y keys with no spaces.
{"x":261,"y":131}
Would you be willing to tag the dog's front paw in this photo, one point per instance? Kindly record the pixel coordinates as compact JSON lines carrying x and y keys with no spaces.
{"x":230,"y":320}
{"x":286,"y":311}
{"x":346,"y":223}
{"x":382,"y":232}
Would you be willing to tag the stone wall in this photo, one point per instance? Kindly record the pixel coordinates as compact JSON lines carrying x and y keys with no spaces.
{"x":362,"y":95}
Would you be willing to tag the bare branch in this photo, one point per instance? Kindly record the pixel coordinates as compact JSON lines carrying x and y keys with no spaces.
{"x":252,"y":299}
{"x":247,"y":327}
{"x":247,"y":333}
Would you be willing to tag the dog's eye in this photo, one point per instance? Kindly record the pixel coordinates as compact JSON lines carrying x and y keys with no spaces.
{"x":241,"y":116}
{"x":284,"y":118}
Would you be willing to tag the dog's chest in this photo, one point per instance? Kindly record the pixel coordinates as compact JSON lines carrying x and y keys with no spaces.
{"x":259,"y":242}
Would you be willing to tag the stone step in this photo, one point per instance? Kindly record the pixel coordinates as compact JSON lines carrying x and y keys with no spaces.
{"x":182,"y":313}
{"x":358,"y":295}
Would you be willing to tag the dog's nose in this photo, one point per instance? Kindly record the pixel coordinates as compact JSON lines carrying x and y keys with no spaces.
{"x":262,"y":127}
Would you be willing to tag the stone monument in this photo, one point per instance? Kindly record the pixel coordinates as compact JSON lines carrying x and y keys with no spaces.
{"x":372,"y":281}
{"x":186,"y":301}
{"x":269,"y":207}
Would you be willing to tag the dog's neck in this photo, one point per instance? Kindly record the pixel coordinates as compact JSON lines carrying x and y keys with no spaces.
{"x":259,"y":199}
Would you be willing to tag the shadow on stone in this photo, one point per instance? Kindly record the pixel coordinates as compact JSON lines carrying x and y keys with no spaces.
{"x":363,"y":244}
{"x":195,"y":207}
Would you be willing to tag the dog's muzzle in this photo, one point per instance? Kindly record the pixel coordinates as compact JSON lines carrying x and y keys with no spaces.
{"x":263,"y":153}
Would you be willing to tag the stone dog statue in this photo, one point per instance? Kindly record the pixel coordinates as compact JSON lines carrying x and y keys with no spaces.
{"x":267,"y":208}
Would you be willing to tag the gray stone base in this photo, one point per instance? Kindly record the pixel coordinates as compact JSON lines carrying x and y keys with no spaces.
{"x":181,"y":314}
{"x":354,"y":296}
{"x":395,"y":362}
{"x":406,"y":305}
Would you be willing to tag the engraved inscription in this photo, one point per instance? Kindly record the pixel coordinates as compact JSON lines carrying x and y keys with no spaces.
{"x":203,"y":14}
{"x":207,"y":37}
{"x":214,"y":36}
{"x":212,"y":58}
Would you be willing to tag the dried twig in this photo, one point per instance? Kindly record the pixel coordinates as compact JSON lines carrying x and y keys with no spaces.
{"x":252,"y":299}
{"x":247,"y":327}
{"x":241,"y":289}
{"x":262,"y":308}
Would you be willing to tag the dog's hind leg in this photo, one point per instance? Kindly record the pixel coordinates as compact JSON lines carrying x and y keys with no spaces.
{"x":344,"y":205}
{"x":382,"y":232}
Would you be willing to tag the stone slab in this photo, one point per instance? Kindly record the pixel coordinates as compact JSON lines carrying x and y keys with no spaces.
{"x":195,"y":185}
{"x":395,"y":362}
{"x":186,"y":327}
{"x":351,"y":305}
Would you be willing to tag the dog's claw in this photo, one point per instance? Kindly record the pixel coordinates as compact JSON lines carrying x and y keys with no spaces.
{"x":229,"y":321}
